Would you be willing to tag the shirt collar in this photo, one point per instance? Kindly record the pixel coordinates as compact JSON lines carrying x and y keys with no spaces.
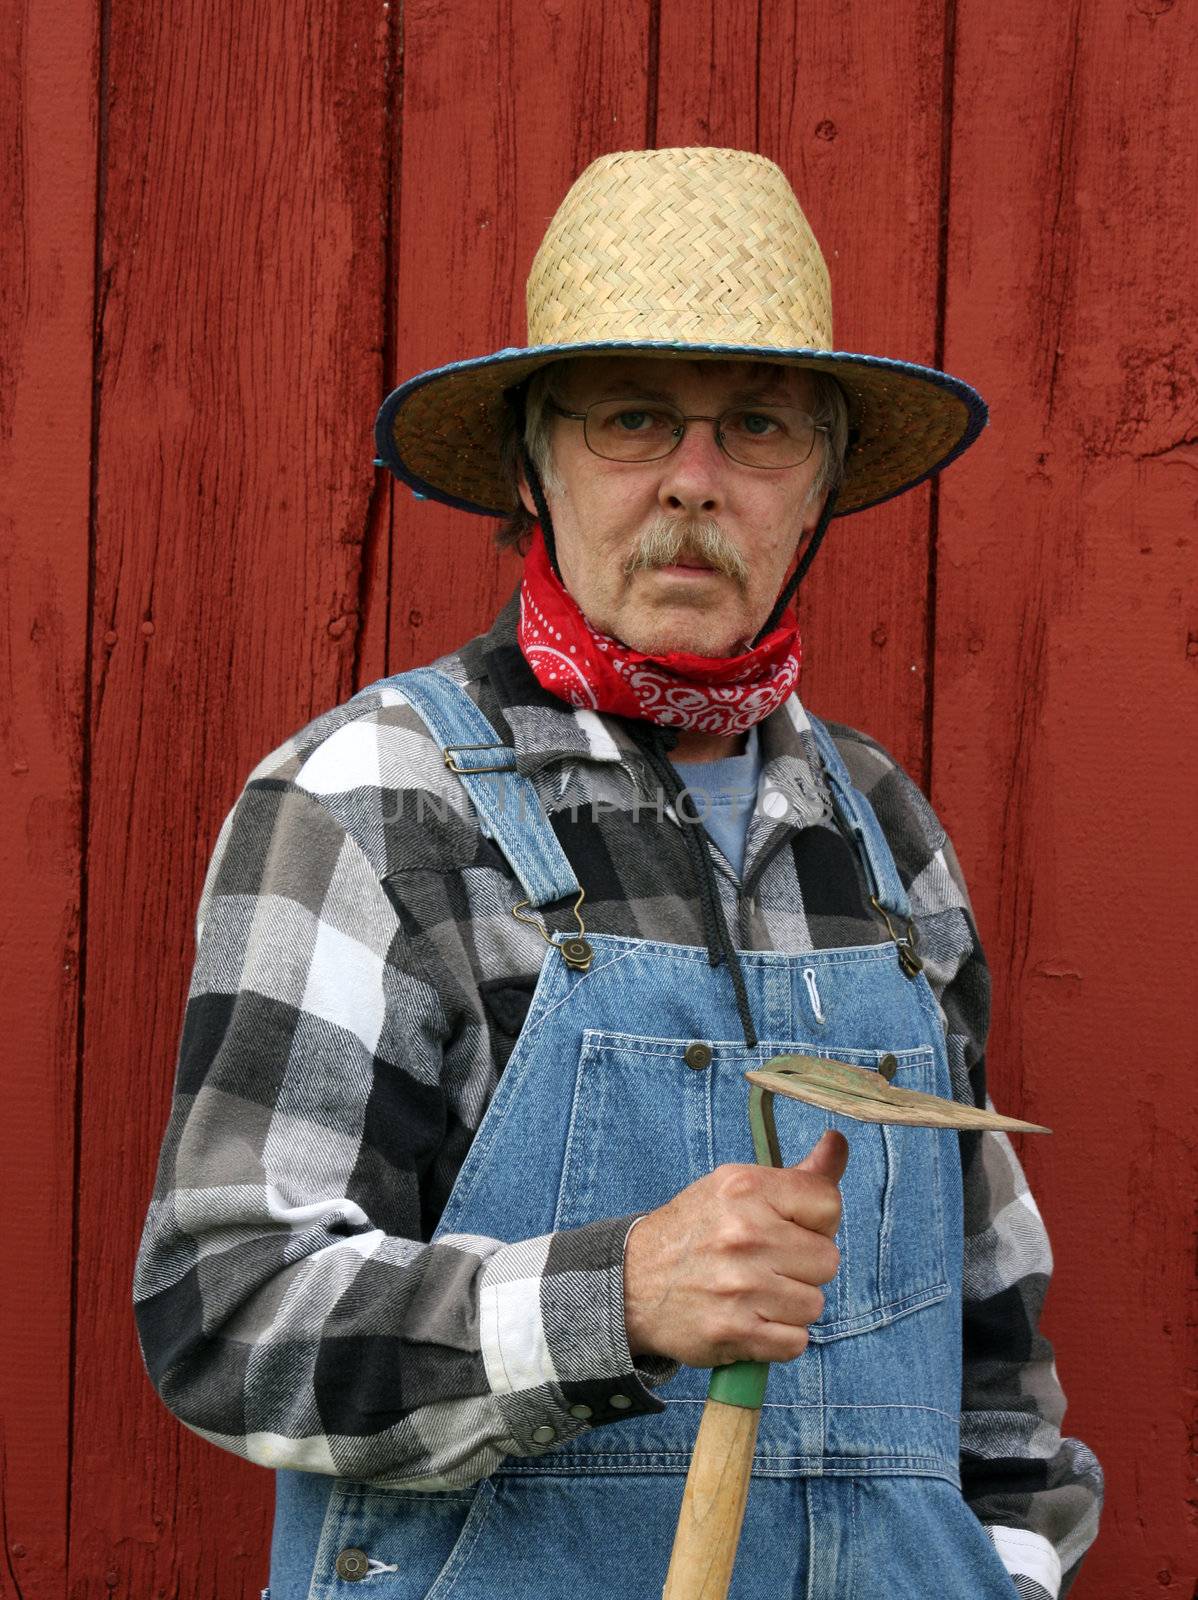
{"x":544,"y":729}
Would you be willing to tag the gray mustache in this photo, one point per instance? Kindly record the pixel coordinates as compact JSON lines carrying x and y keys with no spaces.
{"x":667,"y":539}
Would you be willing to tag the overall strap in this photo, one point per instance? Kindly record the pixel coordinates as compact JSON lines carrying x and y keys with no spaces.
{"x":509,"y":810}
{"x":857,"y":817}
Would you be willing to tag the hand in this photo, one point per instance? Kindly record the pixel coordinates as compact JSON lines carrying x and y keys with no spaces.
{"x":729,"y":1269}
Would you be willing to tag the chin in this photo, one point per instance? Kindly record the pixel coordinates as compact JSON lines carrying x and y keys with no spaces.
{"x":692,"y":639}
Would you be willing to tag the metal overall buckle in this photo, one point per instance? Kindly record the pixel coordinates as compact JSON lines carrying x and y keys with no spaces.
{"x":909,"y":961}
{"x":468,"y":772}
{"x":576,"y":951}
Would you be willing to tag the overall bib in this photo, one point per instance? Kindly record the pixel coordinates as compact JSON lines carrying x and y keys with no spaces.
{"x":600,"y":1113}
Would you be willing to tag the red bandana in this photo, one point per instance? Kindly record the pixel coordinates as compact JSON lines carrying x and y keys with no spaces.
{"x":706,"y":694}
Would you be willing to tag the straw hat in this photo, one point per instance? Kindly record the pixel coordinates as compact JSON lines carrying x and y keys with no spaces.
{"x":697,"y":253}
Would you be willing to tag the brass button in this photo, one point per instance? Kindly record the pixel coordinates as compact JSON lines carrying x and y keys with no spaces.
{"x":621,"y":1402}
{"x":581,"y":1412}
{"x":888,"y":1066}
{"x":697,"y":1056}
{"x":544,"y":1434}
{"x":577,"y":953}
{"x":352,"y":1565}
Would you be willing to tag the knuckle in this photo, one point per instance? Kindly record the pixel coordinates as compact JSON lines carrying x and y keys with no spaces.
{"x":733,"y":1235}
{"x":813,"y":1194}
{"x":818,"y":1209}
{"x":731,"y":1284}
{"x":826,"y":1204}
{"x":797,"y":1343}
{"x":804,"y":1182}
{"x":735,"y":1181}
{"x":723,"y":1331}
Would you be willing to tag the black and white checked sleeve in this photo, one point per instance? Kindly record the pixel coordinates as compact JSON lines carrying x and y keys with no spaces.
{"x":288,"y":1307}
{"x":1038,"y":1491}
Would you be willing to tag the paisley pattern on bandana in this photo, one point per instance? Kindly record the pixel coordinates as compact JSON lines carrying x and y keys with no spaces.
{"x":703,"y":694}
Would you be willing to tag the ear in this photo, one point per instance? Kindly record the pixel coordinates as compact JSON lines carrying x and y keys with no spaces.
{"x":526,"y":499}
{"x":812,"y":512}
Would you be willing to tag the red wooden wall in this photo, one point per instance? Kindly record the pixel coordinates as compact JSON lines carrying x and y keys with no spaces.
{"x":227,"y":231}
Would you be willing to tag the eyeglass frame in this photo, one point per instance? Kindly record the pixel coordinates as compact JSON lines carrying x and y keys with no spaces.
{"x":666,"y":405}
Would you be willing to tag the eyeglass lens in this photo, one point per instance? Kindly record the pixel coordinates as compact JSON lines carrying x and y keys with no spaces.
{"x":643,"y":430}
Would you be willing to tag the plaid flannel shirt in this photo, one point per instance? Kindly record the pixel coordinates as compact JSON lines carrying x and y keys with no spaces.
{"x":359,"y":984}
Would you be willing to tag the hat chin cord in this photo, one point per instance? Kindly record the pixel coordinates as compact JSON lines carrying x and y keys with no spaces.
{"x":780,"y":604}
{"x":800,"y":572}
{"x":538,"y":500}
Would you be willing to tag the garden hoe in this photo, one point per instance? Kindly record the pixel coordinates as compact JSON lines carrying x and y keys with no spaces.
{"x":717,"y":1485}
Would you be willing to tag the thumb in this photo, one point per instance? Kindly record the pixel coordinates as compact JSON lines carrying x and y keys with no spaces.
{"x":828,"y":1157}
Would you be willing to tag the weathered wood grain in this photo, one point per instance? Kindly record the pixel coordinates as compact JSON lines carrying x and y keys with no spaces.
{"x":48,"y":68}
{"x":706,"y":88}
{"x":851,"y":106}
{"x":1065,"y":660}
{"x":713,"y":1503}
{"x":297,"y":208}
{"x":241,"y":260}
{"x":504,"y":103}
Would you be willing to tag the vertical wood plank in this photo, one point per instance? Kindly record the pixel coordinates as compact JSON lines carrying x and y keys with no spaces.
{"x":374,"y":619}
{"x":240,"y":337}
{"x":706,"y":89}
{"x":850,"y":106}
{"x":1066,"y":652}
{"x":505,"y":101}
{"x":48,"y":65}
{"x":245,"y":566}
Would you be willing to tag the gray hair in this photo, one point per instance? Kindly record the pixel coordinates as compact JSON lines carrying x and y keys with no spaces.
{"x":829,"y":407}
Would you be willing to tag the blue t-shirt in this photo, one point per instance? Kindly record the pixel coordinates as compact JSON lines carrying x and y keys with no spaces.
{"x":721,"y":796}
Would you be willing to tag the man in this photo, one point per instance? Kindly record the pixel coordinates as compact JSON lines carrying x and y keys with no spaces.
{"x":457,"y":1203}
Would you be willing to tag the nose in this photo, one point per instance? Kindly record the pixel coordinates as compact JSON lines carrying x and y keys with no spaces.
{"x":693,"y":474}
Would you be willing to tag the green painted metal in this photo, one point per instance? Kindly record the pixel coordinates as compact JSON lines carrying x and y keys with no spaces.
{"x":761,"y":1121}
{"x":741,"y":1383}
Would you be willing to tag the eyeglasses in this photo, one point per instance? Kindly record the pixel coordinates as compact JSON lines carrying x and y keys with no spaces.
{"x":647,"y":430}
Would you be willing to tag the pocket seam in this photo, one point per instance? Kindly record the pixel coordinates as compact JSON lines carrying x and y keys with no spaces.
{"x":459,"y":1556}
{"x":595,"y":1040}
{"x":880,"y":1316}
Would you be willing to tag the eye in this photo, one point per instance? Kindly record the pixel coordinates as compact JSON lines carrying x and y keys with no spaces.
{"x":755,"y":424}
{"x":624,"y":420}
{"x":631,"y":429}
{"x":632,"y":421}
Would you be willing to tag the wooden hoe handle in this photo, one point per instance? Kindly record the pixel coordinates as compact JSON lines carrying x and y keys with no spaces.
{"x":717,"y":1485}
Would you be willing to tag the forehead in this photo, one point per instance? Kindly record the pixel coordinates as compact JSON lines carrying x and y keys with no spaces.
{"x":597,"y":377}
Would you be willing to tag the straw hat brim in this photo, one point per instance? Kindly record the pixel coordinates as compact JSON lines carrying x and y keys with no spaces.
{"x":440,"y":431}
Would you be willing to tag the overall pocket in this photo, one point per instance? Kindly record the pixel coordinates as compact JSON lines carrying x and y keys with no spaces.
{"x":892,"y":1235}
{"x":648,"y":1119}
{"x":397,"y":1544}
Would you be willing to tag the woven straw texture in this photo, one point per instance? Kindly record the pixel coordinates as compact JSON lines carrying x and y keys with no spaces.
{"x":699,"y":253}
{"x":694,"y":246}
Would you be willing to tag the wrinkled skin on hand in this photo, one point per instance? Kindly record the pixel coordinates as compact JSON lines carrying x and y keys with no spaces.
{"x":730,"y":1269}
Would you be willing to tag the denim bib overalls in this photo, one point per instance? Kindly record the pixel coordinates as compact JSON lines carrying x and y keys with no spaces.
{"x":855,"y":1488}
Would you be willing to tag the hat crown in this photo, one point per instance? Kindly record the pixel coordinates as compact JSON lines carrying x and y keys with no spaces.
{"x":689,"y":254}
{"x":691,"y":244}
